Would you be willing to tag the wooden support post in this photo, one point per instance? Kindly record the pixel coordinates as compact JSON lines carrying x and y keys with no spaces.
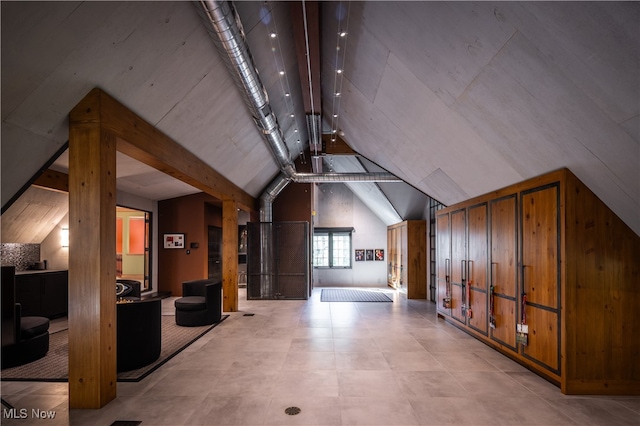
{"x":92,"y":222}
{"x":229,"y":256}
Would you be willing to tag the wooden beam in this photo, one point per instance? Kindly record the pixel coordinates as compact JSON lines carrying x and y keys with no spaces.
{"x":143,"y":142}
{"x":53,"y":180}
{"x":229,"y":256}
{"x":337,"y":147}
{"x":313,"y":32}
{"x":92,"y":248}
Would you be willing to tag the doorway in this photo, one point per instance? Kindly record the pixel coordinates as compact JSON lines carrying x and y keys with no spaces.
{"x":133,"y":246}
{"x":215,"y":253}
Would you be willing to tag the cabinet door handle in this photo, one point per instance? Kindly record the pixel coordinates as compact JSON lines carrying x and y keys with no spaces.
{"x":494,"y":267}
{"x":524,"y":284}
{"x":463,"y":271}
{"x":446,"y":269}
{"x":470,"y":271}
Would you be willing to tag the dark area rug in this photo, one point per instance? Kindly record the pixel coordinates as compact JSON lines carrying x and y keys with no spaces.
{"x":352,"y":295}
{"x":54,"y":366}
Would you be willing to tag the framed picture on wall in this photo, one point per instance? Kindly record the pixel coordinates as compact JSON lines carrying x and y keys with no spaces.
{"x":174,"y":241}
{"x":369,"y":254}
{"x":359,"y":255}
{"x":379,"y":254}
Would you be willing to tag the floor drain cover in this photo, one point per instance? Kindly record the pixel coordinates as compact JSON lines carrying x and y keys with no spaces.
{"x":292,"y":411}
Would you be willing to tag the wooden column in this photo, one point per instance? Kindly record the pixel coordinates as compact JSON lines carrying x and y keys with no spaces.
{"x":229,"y":256}
{"x":92,"y":221}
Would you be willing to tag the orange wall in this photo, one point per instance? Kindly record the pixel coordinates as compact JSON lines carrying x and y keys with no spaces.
{"x":190,"y":215}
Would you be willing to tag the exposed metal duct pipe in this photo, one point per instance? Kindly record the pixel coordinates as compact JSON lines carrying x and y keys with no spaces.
{"x":270,"y":194}
{"x":345,"y":177}
{"x":228,"y":36}
{"x":226,"y":30}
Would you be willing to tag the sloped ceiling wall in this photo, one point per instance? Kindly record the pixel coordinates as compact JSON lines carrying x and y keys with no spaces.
{"x":33,"y":216}
{"x":461,"y":98}
{"x":456,"y":98}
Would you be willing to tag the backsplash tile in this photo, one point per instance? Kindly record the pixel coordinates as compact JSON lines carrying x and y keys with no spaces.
{"x":22,"y":256}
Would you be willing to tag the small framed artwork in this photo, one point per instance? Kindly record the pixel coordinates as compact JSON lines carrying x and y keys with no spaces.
{"x":369,"y":254}
{"x":359,"y":255}
{"x":174,"y":241}
{"x":379,"y":254}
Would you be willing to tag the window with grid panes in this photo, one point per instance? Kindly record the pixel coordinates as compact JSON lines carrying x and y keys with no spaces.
{"x":332,"y":248}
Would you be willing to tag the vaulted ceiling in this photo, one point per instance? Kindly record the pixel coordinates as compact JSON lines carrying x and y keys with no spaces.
{"x":455,"y":98}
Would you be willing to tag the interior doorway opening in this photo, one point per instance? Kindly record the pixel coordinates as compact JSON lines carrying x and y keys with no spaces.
{"x":133,"y":246}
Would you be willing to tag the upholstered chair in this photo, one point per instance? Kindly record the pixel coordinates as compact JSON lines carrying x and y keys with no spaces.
{"x":201,"y":303}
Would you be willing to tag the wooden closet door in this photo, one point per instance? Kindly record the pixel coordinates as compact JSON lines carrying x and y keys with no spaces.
{"x":503,"y":270}
{"x":540,"y":274}
{"x":443,"y":256}
{"x":458,"y":263}
{"x":477,"y":267}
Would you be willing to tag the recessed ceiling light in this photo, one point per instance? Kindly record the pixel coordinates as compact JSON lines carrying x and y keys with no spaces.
{"x":337,"y":93}
{"x":281,"y":73}
{"x":342,"y":33}
{"x":333,"y":139}
{"x":292,"y":115}
{"x":339,"y":71}
{"x":295,"y":130}
{"x":287,"y":95}
{"x":335,"y":115}
{"x":273,"y":35}
{"x":334,"y":131}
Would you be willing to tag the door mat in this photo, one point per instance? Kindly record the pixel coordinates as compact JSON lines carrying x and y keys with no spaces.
{"x":352,"y":295}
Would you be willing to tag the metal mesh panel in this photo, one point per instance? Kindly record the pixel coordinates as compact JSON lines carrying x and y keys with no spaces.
{"x":278,"y":260}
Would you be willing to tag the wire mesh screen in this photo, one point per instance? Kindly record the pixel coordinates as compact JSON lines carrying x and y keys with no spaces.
{"x":278,"y":260}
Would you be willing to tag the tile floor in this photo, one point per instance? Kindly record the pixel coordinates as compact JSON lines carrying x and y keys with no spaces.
{"x":341,"y":364}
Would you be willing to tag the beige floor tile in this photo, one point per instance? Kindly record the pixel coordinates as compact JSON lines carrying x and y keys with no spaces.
{"x":323,"y":383}
{"x":314,"y":410}
{"x":413,"y":361}
{"x":389,"y":364}
{"x":383,"y":411}
{"x":298,"y":360}
{"x":361,"y":361}
{"x":367,"y":383}
{"x":452,"y":410}
{"x":230,"y":410}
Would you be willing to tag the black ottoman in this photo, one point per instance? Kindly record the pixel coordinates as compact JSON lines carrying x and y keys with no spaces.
{"x":33,"y":343}
{"x":139,"y":333}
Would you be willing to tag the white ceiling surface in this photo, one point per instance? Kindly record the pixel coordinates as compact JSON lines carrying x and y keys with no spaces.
{"x":456,"y":98}
{"x":459,"y":99}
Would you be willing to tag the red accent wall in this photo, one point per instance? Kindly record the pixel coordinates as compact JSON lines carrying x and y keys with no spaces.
{"x":190,"y":215}
{"x":294,"y":203}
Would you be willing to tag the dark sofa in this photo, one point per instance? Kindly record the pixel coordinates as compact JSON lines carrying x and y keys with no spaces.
{"x":24,"y":339}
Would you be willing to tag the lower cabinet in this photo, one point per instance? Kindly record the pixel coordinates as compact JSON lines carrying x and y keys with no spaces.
{"x":531,"y":271}
{"x":43,"y":294}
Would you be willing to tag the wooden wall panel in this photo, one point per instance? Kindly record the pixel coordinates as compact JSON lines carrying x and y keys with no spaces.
{"x":443,"y":254}
{"x":505,"y":331}
{"x":581,"y":276}
{"x":540,"y":241}
{"x":542,"y":343}
{"x":503,"y":246}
